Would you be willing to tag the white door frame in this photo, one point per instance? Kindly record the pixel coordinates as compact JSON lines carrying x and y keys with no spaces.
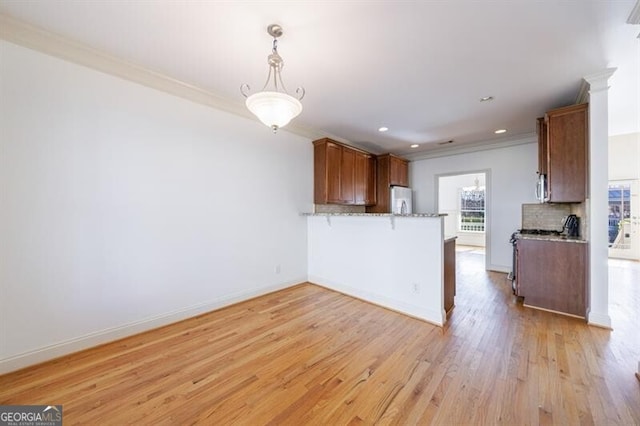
{"x":487,"y":206}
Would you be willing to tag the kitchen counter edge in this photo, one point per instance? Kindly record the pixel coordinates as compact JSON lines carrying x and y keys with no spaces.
{"x":377,"y":214}
{"x":553,"y":238}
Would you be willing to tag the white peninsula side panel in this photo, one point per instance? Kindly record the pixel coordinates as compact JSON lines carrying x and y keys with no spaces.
{"x":395,"y":262}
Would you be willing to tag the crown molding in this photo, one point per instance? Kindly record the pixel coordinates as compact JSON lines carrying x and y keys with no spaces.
{"x":594,"y":83}
{"x":599,"y":81}
{"x":583,"y":93}
{"x":634,"y":16}
{"x":475,"y":147}
{"x":35,"y":38}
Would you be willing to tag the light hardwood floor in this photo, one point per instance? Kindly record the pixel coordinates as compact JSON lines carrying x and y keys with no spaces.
{"x":307,"y":355}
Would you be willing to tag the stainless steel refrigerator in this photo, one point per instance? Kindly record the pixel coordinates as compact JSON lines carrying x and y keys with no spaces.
{"x":401,"y":200}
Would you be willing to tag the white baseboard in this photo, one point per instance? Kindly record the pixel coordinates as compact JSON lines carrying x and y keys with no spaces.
{"x":599,"y":320}
{"x":430,"y":316}
{"x":111,"y":334}
{"x":500,"y":268}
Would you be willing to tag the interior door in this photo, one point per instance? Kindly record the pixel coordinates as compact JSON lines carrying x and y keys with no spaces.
{"x":624,"y":219}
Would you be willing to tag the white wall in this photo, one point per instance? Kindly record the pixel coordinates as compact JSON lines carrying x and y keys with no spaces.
{"x":381,"y":261}
{"x":123,"y":208}
{"x":624,"y":156}
{"x":511,"y":182}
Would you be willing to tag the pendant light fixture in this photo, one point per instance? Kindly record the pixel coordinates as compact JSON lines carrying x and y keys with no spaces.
{"x":273,"y":105}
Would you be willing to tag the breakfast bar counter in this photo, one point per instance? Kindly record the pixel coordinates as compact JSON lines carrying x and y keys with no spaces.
{"x":396,"y":261}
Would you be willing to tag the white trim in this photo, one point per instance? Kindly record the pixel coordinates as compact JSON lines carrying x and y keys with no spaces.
{"x":23,"y":34}
{"x":552,"y":311}
{"x":634,"y":19}
{"x":432,"y":317}
{"x":596,"y":203}
{"x":599,"y":81}
{"x":115,"y":333}
{"x":488,"y":213}
{"x":475,"y":147}
{"x":499,"y":268}
{"x":583,"y":93}
{"x":599,"y":320}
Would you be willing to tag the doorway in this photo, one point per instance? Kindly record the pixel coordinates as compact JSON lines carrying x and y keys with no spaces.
{"x":624,"y":238}
{"x":463,"y":197}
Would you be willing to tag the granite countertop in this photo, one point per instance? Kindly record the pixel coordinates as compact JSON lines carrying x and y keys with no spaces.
{"x":378,"y":214}
{"x":561,"y":238}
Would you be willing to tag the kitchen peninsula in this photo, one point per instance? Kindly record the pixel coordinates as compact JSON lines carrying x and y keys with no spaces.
{"x":395,"y":261}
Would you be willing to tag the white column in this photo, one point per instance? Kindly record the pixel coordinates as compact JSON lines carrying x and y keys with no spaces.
{"x":598,"y":197}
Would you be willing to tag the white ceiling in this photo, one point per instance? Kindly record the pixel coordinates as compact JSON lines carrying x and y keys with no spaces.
{"x":417,"y":67}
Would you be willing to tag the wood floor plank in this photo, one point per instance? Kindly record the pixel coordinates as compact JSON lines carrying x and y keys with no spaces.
{"x":307,"y":355}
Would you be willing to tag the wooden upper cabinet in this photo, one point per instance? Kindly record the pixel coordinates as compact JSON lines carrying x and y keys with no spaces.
{"x":390,"y":170}
{"x":342,"y":174}
{"x":371,"y":176}
{"x":348,"y":176}
{"x":334,"y":162}
{"x":398,"y":171}
{"x":542,"y":146}
{"x":566,"y":144}
{"x":365,"y":179}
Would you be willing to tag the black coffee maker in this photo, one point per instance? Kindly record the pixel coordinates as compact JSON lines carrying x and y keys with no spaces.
{"x":572,"y":226}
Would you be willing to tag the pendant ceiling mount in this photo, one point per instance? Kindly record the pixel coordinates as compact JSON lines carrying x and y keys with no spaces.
{"x":273,"y":105}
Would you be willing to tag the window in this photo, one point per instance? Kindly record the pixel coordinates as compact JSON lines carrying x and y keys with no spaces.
{"x":472,"y":209}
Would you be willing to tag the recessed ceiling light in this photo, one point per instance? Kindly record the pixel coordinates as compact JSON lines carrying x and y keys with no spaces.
{"x":499,"y":131}
{"x":486,"y":98}
{"x":383,"y":129}
{"x":415,"y":145}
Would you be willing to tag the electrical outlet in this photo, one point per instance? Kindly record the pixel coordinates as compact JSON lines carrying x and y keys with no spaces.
{"x":415,"y":287}
{"x":276,"y":269}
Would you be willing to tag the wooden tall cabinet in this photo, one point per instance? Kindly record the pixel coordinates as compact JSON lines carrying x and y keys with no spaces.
{"x":343,"y":174}
{"x":391,"y":170}
{"x":563,"y":138}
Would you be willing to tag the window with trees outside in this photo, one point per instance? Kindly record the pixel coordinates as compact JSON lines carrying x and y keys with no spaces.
{"x":472,"y":209}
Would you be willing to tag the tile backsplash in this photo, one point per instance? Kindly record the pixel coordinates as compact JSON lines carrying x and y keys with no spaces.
{"x":544,"y":216}
{"x":337,"y":208}
{"x":582,"y":211}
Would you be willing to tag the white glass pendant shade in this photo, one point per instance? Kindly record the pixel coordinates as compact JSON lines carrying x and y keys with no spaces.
{"x":274,"y":109}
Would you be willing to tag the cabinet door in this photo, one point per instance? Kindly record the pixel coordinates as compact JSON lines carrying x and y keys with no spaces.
{"x":360,"y":184}
{"x":449,"y":275}
{"x":370,"y":197}
{"x":365,"y":179}
{"x":567,"y":154}
{"x":382,"y":201}
{"x":347,"y":176}
{"x":334,"y":163}
{"x":398,"y":172}
{"x":552,"y":275}
{"x":542,"y":146}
